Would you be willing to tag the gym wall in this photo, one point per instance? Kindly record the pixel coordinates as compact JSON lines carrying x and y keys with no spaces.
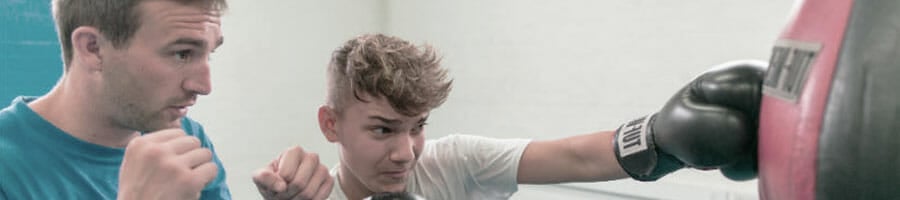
{"x":522,"y":69}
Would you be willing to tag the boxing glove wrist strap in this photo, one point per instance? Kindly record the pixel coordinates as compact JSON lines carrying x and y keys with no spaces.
{"x":637,"y":153}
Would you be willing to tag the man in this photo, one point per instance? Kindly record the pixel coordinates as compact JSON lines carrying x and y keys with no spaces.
{"x":381,"y":90}
{"x":114,"y":126}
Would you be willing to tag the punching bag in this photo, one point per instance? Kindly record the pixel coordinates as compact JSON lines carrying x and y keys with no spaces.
{"x":830,"y":116}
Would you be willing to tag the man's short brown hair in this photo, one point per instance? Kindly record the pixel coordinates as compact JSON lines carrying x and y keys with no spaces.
{"x":410,"y":77}
{"x":117,"y":20}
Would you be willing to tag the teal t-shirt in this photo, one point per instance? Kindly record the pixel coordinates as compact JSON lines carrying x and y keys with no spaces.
{"x":40,"y":161}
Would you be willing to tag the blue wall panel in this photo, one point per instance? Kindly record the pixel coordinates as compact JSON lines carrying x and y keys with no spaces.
{"x":30,"y":58}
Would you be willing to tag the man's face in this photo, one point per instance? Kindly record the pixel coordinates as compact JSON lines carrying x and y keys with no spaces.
{"x":150,"y":84}
{"x":379,"y":146}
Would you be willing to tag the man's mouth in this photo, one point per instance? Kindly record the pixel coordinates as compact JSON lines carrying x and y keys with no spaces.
{"x":181,"y":109}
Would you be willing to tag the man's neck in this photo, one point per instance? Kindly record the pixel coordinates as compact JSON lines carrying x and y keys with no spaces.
{"x":72,"y":112}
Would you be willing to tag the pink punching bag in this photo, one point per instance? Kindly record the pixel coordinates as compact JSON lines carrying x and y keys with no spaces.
{"x":830,"y":115}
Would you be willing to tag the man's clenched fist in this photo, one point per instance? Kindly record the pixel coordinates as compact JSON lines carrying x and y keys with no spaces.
{"x":167,"y":164}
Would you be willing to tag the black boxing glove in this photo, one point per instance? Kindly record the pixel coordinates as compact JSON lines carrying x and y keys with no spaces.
{"x":710,"y":123}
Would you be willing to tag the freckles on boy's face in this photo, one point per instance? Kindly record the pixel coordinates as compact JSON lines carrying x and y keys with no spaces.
{"x":380,"y":146}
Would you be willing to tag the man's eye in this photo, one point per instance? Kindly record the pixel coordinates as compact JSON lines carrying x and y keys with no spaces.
{"x":183,"y":55}
{"x":210,"y":55}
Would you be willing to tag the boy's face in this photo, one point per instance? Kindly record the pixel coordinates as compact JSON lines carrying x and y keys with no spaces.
{"x":151,"y":83}
{"x":378,"y":146}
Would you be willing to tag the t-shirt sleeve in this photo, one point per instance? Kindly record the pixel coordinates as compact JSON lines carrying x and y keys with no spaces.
{"x":216,"y":189}
{"x":489,"y":165}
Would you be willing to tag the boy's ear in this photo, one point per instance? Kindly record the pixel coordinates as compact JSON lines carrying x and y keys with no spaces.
{"x":327,"y":120}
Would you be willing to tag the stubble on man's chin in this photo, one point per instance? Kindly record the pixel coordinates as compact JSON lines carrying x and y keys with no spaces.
{"x":150,"y":123}
{"x":162,"y":126}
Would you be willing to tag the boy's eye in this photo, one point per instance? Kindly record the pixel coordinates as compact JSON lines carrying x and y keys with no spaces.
{"x":381,"y":130}
{"x":418,"y":129}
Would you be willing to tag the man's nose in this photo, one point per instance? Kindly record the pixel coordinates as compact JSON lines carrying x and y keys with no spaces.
{"x":198,"y":80}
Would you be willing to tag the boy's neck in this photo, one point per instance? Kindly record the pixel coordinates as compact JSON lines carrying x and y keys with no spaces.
{"x":351,"y":186}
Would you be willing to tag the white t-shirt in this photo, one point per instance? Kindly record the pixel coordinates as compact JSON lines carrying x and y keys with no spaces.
{"x":461,"y":167}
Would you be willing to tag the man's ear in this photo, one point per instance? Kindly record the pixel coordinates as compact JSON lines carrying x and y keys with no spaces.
{"x":86,"y":44}
{"x":327,"y":120}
